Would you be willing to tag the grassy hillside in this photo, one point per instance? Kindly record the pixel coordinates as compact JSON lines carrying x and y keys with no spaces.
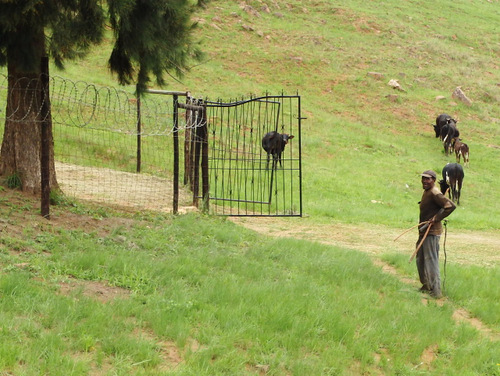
{"x":364,"y":143}
{"x":99,"y":292}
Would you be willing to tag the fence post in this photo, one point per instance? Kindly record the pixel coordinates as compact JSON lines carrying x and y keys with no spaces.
{"x":139,"y":130}
{"x":175,"y":204}
{"x":45,"y":139}
{"x":187,"y":143}
{"x":193,"y":122}
{"x":204,"y":159}
{"x":196,"y":164}
{"x":187,"y":136}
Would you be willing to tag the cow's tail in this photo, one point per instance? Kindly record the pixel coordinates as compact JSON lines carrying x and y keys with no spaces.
{"x":455,"y":188}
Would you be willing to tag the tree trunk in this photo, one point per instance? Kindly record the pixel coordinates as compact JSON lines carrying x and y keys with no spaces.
{"x":20,"y":154}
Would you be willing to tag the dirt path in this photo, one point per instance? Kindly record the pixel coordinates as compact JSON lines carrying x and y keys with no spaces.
{"x":153,"y":193}
{"x":465,"y":247}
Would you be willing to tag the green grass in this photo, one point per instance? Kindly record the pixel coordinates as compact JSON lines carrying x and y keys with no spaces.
{"x":292,"y":306}
{"x":468,"y":286}
{"x":227,"y":301}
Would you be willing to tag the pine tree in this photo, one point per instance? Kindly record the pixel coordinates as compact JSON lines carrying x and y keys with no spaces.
{"x":151,"y":38}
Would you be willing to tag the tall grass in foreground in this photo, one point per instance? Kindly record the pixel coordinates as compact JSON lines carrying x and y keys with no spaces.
{"x":226,"y":302}
{"x":470,"y":286}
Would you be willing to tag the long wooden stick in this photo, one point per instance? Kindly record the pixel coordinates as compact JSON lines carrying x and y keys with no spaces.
{"x":411,"y":228}
{"x":422,"y":242}
{"x":421,"y":223}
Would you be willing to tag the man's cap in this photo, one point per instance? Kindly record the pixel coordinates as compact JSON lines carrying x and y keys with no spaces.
{"x":429,"y":174}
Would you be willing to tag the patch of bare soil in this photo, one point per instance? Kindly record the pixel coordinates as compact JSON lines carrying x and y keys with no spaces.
{"x":428,"y":356}
{"x":461,"y":315}
{"x":168,"y":350}
{"x":93,"y":289}
{"x":123,"y":189}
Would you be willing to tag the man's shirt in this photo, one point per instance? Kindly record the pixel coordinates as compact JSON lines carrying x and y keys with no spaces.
{"x":432,"y":201}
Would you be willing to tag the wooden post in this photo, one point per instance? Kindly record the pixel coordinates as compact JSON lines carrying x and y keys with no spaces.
{"x":45,"y":131}
{"x":187,"y":148}
{"x":187,"y":142}
{"x":204,"y":159}
{"x":196,"y":164}
{"x":139,"y":130}
{"x":175,"y":204}
{"x":192,"y":146}
{"x":197,"y":137}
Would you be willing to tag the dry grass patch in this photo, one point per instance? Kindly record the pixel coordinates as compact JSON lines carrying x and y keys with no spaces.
{"x":98,"y":290}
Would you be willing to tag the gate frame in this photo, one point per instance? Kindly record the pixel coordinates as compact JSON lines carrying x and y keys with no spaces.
{"x":299,"y":118}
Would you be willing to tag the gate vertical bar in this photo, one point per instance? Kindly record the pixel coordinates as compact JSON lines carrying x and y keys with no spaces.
{"x":300,"y":154}
{"x":175,"y":204}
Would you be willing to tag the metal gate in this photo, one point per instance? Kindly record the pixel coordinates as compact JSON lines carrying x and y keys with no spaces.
{"x":242,"y":180}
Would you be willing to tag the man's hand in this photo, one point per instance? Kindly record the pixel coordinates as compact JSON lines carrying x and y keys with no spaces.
{"x":423,"y":228}
{"x":427,"y":224}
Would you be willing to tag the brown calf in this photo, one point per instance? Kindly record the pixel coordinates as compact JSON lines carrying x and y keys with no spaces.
{"x":461,"y":150}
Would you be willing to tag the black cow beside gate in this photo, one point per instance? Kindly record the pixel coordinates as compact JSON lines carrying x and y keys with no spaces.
{"x":274,"y":144}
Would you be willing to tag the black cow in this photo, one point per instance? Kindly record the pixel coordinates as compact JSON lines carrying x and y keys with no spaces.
{"x":453,"y":176}
{"x":274,"y":144}
{"x":441,"y":120}
{"x":449,"y":131}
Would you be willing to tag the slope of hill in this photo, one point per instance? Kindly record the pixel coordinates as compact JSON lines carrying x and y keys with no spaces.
{"x":364,"y":142}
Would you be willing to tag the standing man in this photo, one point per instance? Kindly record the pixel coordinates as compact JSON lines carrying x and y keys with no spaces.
{"x":434,"y":206}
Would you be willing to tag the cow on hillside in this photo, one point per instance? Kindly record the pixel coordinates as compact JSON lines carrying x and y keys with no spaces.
{"x":461,"y":150}
{"x":453,"y":177}
{"x":442,"y":120}
{"x":274,"y":144}
{"x":449,"y":131}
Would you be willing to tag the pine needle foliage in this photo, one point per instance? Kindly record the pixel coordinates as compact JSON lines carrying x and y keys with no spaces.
{"x":150,"y":37}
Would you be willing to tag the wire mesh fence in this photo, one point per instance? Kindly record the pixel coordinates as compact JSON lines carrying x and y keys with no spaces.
{"x":114,"y":148}
{"x":104,"y":152}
